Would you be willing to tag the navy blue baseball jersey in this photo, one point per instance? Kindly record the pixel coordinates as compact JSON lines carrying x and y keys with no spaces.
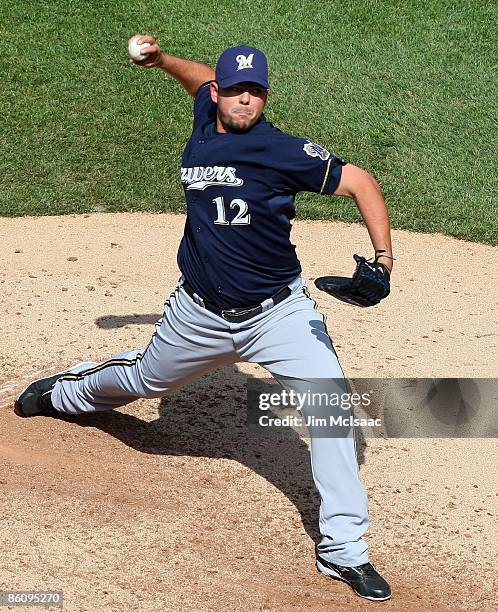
{"x":240,"y":190}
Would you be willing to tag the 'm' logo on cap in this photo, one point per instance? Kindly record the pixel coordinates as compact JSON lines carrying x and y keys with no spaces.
{"x":244,"y":61}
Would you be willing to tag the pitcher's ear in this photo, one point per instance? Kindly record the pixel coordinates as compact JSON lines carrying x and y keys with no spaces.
{"x":213,"y":90}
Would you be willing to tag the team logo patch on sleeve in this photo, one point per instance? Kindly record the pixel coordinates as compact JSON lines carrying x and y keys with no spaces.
{"x":315,"y":150}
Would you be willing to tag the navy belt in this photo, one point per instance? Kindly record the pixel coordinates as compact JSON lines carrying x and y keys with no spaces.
{"x":242,"y":313}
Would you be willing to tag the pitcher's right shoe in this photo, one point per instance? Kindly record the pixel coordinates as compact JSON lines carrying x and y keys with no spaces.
{"x":36,"y":398}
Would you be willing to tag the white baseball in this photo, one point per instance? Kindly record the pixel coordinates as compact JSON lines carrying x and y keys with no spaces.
{"x":134,"y":48}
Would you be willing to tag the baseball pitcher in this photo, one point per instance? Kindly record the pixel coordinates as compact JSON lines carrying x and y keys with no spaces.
{"x":241,"y":296}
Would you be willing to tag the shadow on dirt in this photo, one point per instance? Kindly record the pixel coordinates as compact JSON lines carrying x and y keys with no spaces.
{"x":208,"y":419}
{"x":115,"y":321}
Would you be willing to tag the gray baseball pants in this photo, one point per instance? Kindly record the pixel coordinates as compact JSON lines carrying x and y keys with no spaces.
{"x":290,"y":340}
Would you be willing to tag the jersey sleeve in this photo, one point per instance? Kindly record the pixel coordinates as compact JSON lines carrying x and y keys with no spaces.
{"x":307,"y":166}
{"x":204,"y":107}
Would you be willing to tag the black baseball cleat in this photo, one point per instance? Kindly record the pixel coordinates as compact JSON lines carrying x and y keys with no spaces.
{"x":36,"y":398}
{"x":364,"y":579}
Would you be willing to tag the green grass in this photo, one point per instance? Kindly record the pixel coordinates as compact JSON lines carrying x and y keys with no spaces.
{"x":407,"y":90}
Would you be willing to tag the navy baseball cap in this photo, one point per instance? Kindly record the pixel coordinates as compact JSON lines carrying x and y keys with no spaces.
{"x":242,"y":64}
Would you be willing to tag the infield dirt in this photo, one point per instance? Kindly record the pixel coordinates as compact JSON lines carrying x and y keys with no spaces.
{"x":174,"y":504}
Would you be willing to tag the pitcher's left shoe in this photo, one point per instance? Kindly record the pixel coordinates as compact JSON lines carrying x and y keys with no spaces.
{"x":364,"y":579}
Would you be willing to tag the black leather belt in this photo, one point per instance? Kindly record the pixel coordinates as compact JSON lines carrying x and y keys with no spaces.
{"x":242,"y":313}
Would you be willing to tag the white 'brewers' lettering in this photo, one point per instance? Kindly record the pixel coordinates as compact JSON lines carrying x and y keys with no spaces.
{"x":200,"y":177}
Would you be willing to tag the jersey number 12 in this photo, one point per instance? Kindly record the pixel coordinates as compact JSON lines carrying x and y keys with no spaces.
{"x":241,"y":218}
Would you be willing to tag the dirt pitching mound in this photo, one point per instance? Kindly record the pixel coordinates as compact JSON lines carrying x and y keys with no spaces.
{"x":173,"y":504}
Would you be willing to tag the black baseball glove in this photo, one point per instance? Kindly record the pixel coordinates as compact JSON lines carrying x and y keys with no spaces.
{"x":369,"y":285}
